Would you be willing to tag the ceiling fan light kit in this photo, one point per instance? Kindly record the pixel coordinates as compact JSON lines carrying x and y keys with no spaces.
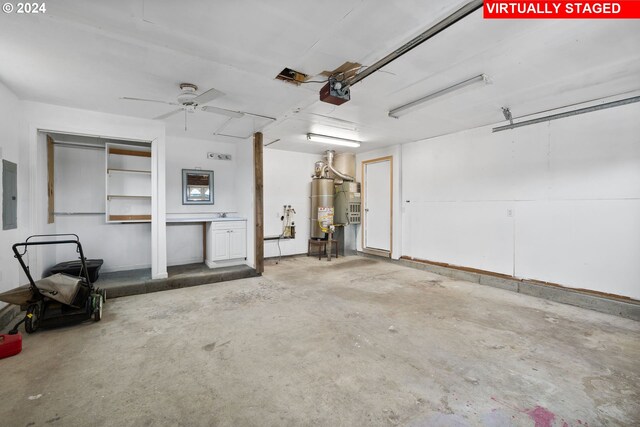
{"x":188,"y":94}
{"x":190,"y":101}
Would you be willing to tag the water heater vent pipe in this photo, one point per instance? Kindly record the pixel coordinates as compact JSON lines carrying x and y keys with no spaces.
{"x":328,"y":155}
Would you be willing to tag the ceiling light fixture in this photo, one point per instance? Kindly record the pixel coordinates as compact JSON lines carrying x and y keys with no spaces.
{"x":407,"y":108}
{"x":325,"y":139}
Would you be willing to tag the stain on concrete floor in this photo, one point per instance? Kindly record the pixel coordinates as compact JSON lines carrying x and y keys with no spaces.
{"x":310,"y":344}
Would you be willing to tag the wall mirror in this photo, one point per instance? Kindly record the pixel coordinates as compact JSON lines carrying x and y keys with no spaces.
{"x":197,"y":187}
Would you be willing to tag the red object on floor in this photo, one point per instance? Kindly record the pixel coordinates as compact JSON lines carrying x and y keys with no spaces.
{"x":10,"y":345}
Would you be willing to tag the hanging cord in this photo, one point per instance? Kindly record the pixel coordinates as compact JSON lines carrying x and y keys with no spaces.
{"x":287,"y":221}
{"x":279,"y":251}
{"x":284,"y":227}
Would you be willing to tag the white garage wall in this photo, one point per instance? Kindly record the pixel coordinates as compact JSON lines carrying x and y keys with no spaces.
{"x":79,"y":179}
{"x":13,"y":149}
{"x":121,"y":246}
{"x":456,"y":192}
{"x":189,"y":153}
{"x":287,"y":181}
{"x":572,"y":187}
{"x":184,"y":241}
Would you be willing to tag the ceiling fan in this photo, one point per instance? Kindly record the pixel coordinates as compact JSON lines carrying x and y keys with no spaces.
{"x":189,"y":101}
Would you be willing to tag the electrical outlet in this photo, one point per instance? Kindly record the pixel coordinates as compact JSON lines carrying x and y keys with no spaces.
{"x":510,"y":213}
{"x":218,"y":156}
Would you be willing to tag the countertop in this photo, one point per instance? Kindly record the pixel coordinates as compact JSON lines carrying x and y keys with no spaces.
{"x":201,"y":218}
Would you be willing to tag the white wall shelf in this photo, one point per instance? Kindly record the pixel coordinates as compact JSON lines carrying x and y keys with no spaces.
{"x":120,"y":196}
{"x":128,"y":183}
{"x":128,"y":171}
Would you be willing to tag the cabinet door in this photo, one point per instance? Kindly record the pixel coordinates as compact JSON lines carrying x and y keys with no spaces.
{"x":238,"y":244}
{"x":220,"y":245}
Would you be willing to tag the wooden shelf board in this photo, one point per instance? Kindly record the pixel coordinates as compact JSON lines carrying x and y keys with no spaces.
{"x":118,"y":196}
{"x":129,"y":217}
{"x":128,"y":170}
{"x":124,"y":152}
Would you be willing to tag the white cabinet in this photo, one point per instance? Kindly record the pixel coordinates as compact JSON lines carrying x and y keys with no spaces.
{"x":238,"y":243}
{"x":226,"y":243}
{"x":220,"y":245}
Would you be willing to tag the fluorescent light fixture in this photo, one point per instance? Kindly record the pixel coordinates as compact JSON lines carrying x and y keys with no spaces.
{"x":407,"y":108}
{"x":325,"y":139}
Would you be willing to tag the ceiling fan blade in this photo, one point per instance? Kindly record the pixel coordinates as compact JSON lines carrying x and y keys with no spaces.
{"x":127,"y":98}
{"x":164,"y":116}
{"x":223,"y":111}
{"x":207,"y":96}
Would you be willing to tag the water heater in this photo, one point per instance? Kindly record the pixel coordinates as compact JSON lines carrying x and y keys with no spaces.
{"x":321,"y":197}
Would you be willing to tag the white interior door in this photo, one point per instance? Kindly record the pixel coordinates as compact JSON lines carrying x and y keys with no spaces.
{"x":377,"y":209}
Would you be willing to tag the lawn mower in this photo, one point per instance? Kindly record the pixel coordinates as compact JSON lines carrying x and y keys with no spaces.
{"x":58,"y":300}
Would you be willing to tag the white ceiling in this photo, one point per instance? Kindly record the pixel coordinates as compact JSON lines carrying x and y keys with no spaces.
{"x":89,"y":53}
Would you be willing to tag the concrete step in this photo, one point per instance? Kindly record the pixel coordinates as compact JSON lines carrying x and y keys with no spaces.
{"x":136,"y":282}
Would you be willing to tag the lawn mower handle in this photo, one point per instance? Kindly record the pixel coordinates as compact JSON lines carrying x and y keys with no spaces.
{"x":52,"y":235}
{"x":27,"y":243}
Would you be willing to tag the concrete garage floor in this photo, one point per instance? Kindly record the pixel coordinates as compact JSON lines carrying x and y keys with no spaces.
{"x":354,"y":341}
